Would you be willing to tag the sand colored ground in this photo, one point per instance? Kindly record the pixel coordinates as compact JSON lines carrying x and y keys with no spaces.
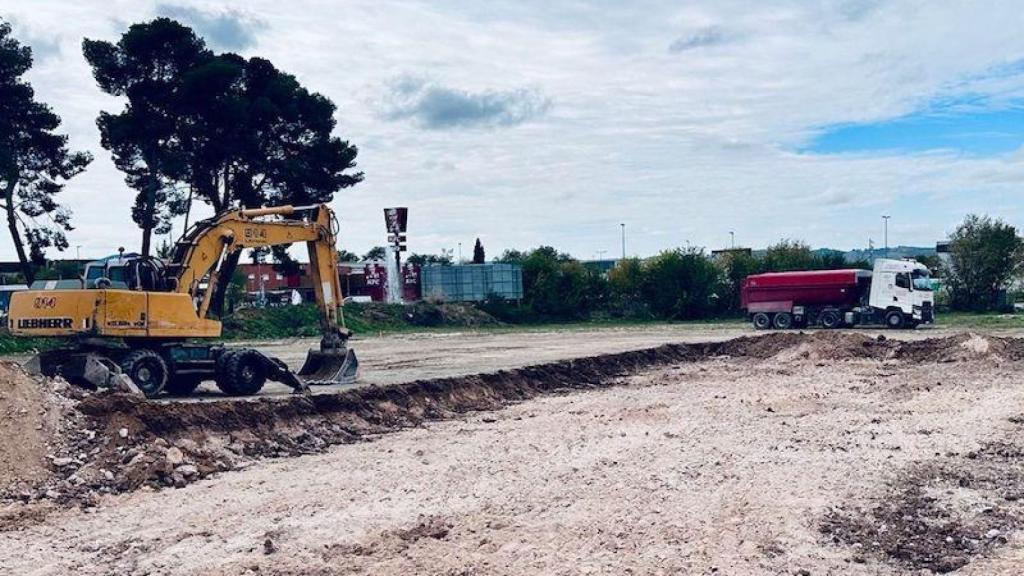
{"x":727,"y":466}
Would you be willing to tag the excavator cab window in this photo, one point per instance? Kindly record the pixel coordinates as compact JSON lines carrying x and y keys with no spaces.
{"x":146,"y":274}
{"x":92,"y":274}
{"x":116,"y":274}
{"x":107,"y":275}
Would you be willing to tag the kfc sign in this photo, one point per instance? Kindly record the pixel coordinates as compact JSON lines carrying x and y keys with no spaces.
{"x":395,"y":219}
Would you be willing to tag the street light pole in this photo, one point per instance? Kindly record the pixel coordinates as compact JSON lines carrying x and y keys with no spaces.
{"x":732,"y":240}
{"x":885,"y":220}
{"x":623,"y":225}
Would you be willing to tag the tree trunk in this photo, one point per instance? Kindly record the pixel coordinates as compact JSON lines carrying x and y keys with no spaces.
{"x":12,"y":225}
{"x":147,"y":235}
{"x":147,"y":231}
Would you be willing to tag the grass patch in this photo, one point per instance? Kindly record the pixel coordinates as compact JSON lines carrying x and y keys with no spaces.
{"x":370,"y":318}
{"x":968,"y":320}
{"x":377,"y":318}
{"x":10,"y":344}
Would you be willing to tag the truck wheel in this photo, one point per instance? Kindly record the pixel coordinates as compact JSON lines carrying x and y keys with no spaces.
{"x":894,"y":320}
{"x":182,"y":385}
{"x":147,"y":370}
{"x":830,"y":319}
{"x":245,"y":373}
{"x":783,"y":321}
{"x":762,"y":321}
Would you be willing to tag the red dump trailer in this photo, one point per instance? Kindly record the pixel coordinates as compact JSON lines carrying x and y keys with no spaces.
{"x":787,"y":299}
{"x":897,"y":294}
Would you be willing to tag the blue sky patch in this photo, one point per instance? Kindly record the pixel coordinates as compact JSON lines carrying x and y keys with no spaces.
{"x":960,"y":128}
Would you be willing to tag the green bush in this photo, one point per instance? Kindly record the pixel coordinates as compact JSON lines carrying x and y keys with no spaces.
{"x":557,"y":286}
{"x":680,"y":285}
{"x":986,"y":255}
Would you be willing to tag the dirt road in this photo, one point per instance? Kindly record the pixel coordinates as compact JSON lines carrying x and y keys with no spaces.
{"x":813,"y":461}
{"x":404,"y":357}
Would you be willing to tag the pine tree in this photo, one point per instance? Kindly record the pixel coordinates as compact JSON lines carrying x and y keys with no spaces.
{"x":478,"y":253}
{"x":35,"y":163}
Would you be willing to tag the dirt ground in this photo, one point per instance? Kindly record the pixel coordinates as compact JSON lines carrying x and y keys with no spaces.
{"x":404,"y":357}
{"x":793,"y":455}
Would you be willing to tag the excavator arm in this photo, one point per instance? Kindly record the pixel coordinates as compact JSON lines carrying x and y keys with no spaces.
{"x":201,"y":254}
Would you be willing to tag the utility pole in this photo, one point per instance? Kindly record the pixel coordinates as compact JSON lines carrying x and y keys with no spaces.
{"x":732,"y":240}
{"x":885,"y":220}
{"x":460,"y":253}
{"x":623,"y":225}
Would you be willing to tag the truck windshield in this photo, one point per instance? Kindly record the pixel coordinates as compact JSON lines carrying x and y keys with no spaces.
{"x":922,"y":281}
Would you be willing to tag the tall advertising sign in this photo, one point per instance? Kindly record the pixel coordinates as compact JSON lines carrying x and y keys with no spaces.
{"x":395,"y":220}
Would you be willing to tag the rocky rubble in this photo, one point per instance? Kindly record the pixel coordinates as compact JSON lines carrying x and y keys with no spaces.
{"x":54,"y":451}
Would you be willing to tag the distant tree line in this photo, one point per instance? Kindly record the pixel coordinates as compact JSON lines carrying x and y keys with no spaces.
{"x":986,"y":258}
{"x":678,"y":284}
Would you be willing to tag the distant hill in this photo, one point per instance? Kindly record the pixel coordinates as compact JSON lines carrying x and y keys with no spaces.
{"x":894,"y":252}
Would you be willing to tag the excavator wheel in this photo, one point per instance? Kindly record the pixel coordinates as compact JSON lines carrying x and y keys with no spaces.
{"x":220,"y":372}
{"x":242,"y":372}
{"x":147,"y":370}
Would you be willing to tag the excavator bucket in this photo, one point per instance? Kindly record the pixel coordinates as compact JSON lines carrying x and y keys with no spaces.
{"x":326,"y":367}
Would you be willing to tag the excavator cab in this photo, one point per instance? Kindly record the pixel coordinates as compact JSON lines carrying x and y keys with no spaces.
{"x":125,"y":272}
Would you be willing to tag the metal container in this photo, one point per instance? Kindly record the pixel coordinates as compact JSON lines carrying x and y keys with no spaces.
{"x":472,"y":282}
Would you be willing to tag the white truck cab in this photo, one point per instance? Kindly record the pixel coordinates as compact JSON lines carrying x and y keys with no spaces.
{"x":901,"y":293}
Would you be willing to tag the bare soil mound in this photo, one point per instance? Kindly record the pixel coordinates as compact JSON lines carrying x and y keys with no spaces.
{"x":33,"y":422}
{"x":962,"y":347}
{"x":814,"y":346}
{"x":838,"y":345}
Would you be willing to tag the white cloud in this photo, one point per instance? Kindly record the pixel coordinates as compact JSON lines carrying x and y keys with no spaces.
{"x":434,"y":106}
{"x":681,"y":147}
{"x":228,"y":30}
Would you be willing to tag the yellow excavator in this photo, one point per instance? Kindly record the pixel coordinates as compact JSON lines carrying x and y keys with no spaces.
{"x":145,"y":319}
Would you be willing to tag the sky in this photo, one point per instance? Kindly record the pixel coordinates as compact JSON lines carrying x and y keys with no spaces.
{"x":528,"y":122}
